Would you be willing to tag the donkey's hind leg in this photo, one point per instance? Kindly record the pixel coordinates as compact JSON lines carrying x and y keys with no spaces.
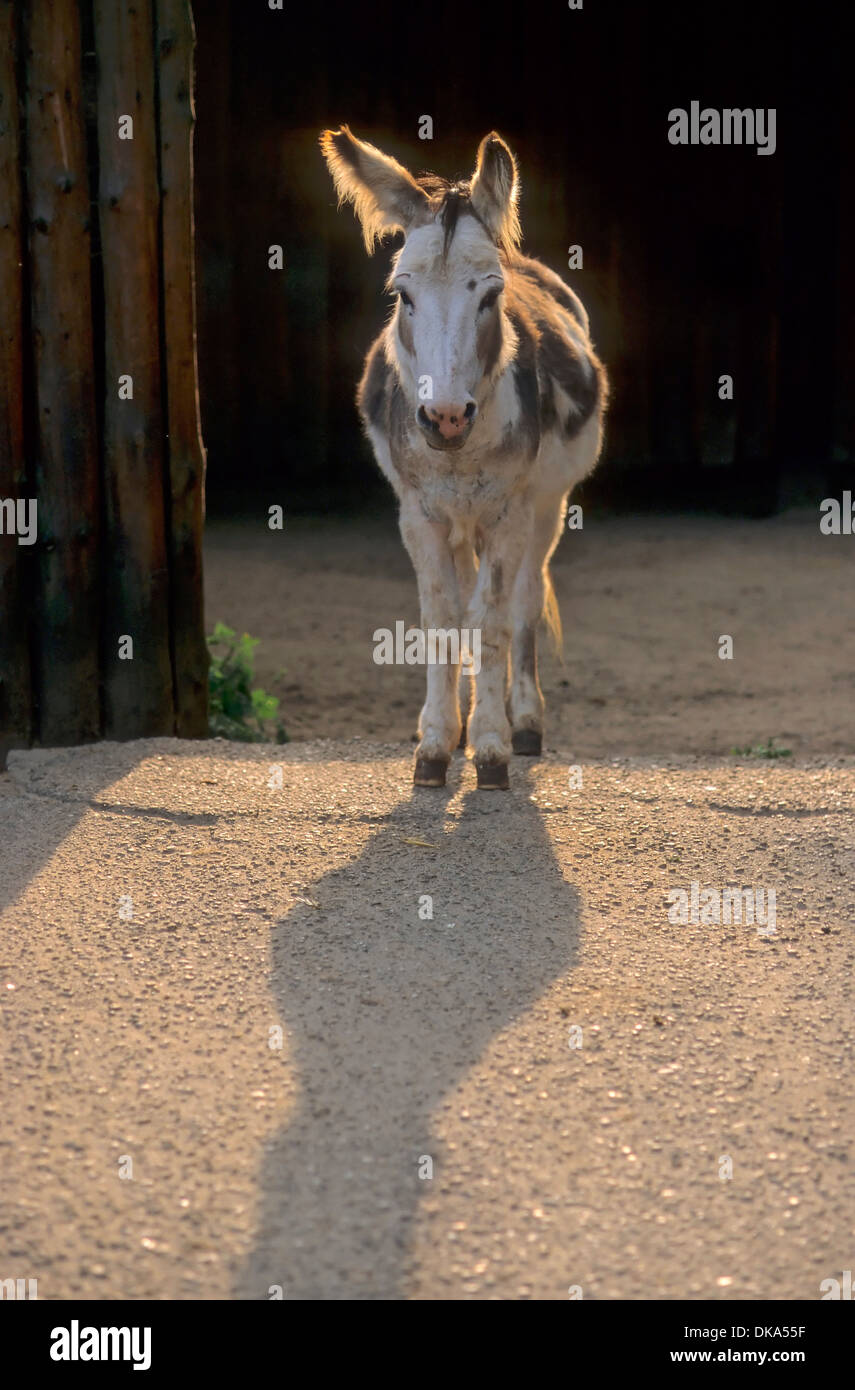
{"x":532,"y":599}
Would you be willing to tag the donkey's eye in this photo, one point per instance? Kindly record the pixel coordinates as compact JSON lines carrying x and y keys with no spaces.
{"x":490,"y":298}
{"x":405,"y":299}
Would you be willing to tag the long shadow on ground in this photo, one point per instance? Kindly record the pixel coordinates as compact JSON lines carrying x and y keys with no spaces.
{"x":385,"y":1013}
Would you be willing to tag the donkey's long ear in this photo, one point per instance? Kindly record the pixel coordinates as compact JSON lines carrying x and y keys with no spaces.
{"x":495,"y":190}
{"x":385,"y":197}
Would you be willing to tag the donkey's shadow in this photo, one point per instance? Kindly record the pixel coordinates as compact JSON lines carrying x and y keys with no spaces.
{"x":385,"y":1012}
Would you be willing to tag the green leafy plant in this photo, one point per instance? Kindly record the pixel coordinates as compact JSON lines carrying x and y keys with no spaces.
{"x":236,"y":709}
{"x":762,"y":750}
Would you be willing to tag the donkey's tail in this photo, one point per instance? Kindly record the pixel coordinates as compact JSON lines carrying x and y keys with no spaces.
{"x":551,"y":612}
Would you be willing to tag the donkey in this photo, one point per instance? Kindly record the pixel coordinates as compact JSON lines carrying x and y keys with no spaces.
{"x":483,"y":400}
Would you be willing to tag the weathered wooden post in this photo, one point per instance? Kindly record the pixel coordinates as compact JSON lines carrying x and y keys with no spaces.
{"x":64,"y":473}
{"x":186,"y":456}
{"x":138,"y":687}
{"x":101,"y":622}
{"x":15,"y":687}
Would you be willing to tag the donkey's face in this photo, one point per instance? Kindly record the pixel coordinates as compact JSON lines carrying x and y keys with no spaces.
{"x":448,"y":275}
{"x":448,"y":324}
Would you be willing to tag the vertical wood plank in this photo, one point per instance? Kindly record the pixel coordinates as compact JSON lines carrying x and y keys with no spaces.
{"x":214,"y":137}
{"x":186,"y":456}
{"x":138,"y":692}
{"x":842,"y":466}
{"x":65,"y":445}
{"x":15,"y":716}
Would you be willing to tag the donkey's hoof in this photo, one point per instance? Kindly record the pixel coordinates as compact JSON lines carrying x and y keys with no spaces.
{"x":492,"y":777}
{"x":528,"y":743}
{"x":430,"y":772}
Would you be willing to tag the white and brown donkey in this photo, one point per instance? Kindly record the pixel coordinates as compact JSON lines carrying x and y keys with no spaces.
{"x":483,"y":400}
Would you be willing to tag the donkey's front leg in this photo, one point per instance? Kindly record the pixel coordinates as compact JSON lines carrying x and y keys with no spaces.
{"x":489,"y":613}
{"x":439,"y":722}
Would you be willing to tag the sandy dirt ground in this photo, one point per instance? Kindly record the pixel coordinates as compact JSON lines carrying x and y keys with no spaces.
{"x":280,"y":1072}
{"x":643,"y":601}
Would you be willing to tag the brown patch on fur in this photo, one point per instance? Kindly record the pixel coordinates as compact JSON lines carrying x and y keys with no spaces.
{"x":489,"y":339}
{"x":496,"y":579}
{"x":548,"y":411}
{"x":560,"y":360}
{"x":405,"y":331}
{"x":524,"y":369}
{"x":373,"y":392}
{"x":381,"y":400}
{"x":400,"y":419}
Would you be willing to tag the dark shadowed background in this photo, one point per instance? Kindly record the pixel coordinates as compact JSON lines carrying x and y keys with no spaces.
{"x":698,"y":261}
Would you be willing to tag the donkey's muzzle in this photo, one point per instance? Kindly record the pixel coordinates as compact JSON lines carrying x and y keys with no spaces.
{"x":446,"y":426}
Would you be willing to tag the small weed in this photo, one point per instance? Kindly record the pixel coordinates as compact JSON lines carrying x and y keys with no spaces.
{"x":762,"y":750}
{"x":238,"y":711}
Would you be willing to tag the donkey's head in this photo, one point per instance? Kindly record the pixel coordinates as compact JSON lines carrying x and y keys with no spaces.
{"x":450,"y":334}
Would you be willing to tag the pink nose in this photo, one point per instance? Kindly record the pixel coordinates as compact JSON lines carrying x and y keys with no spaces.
{"x":451,"y":420}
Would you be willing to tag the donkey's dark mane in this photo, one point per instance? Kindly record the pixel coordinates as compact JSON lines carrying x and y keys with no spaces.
{"x":450,"y":201}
